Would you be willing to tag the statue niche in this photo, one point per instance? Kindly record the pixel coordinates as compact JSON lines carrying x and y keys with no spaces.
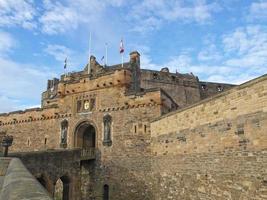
{"x":107,"y":130}
{"x":64,"y":133}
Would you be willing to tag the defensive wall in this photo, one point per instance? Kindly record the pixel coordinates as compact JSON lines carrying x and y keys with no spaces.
{"x":48,"y":167}
{"x":215,"y":149}
{"x":16,"y":182}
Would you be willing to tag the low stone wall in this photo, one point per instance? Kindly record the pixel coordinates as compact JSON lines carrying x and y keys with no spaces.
{"x":18,"y":183}
{"x":52,"y":165}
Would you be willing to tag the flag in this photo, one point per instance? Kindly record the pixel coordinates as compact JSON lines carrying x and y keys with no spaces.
{"x":102,"y":58}
{"x":65,"y":65}
{"x":121,"y":47}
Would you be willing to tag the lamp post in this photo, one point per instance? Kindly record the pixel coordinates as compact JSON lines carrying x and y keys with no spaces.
{"x":7,"y":142}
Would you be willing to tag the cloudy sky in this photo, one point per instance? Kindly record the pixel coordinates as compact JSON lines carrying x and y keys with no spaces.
{"x":223,"y":40}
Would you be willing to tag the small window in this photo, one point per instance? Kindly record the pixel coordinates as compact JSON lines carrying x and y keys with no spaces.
{"x":106,"y":192}
{"x":45,"y":141}
{"x":135,"y":129}
{"x":203,"y":87}
{"x":155,"y":76}
{"x":145,"y":128}
{"x":219,"y":88}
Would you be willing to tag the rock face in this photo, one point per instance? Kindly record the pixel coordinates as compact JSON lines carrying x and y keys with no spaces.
{"x":145,"y":134}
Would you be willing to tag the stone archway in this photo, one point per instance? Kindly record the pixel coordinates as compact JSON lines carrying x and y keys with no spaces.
{"x":85,"y":136}
{"x":62,"y":188}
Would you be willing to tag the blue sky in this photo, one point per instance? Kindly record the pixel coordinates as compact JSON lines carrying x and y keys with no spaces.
{"x":221,"y":41}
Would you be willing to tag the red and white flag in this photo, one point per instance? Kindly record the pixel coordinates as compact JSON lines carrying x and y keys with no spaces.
{"x":121,"y":46}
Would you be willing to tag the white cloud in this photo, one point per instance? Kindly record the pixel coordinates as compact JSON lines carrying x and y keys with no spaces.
{"x":17,"y":13}
{"x":7,"y":43}
{"x":21,"y":82}
{"x":258,"y":10}
{"x":209,"y":53}
{"x":150,"y":14}
{"x":61,"y":18}
{"x":58,"y":18}
{"x":59,"y":52}
{"x":247,"y":47}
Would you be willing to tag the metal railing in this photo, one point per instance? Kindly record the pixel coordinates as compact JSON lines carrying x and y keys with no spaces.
{"x":88,"y":153}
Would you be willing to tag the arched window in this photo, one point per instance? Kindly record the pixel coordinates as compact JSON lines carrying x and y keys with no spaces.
{"x":107,"y":130}
{"x":64,"y":133}
{"x":106,"y":192}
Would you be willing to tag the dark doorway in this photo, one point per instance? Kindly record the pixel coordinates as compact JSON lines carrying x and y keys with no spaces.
{"x":106,"y":192}
{"x":85,"y":136}
{"x":89,"y":137}
{"x":62,"y":188}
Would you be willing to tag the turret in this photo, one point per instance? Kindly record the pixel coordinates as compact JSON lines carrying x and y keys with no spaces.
{"x":136,"y":72}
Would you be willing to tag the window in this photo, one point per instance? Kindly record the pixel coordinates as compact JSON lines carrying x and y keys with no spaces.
{"x":106,"y":192}
{"x":107,"y":130}
{"x":219,"y":88}
{"x":203,"y":87}
{"x":64,"y":132}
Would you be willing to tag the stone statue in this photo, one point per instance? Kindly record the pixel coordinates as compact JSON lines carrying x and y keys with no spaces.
{"x":107,"y":129}
{"x":64,"y":131}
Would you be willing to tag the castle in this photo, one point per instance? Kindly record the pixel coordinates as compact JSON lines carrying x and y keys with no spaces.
{"x":146,"y":134}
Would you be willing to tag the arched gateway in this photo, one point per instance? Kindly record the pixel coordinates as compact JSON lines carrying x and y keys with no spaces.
{"x":85,"y":138}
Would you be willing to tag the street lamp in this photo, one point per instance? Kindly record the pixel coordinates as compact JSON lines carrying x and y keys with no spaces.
{"x":7,"y":142}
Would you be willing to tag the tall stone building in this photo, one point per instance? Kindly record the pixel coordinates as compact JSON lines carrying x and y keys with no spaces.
{"x":135,"y":122}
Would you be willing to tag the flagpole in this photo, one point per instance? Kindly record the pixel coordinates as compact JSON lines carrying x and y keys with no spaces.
{"x":106,"y":59}
{"x":122,"y":60}
{"x":121,"y":52}
{"x":65,"y":67}
{"x":89,"y":66}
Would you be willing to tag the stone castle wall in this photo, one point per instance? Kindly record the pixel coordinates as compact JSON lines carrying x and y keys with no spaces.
{"x":114,"y":165}
{"x":215,"y":149}
{"x":184,"y":89}
{"x":178,"y":156}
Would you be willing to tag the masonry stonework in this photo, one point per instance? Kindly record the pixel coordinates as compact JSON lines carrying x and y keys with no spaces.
{"x":215,"y":149}
{"x":145,"y":134}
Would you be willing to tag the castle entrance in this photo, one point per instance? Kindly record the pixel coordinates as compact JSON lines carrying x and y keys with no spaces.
{"x":85,"y":138}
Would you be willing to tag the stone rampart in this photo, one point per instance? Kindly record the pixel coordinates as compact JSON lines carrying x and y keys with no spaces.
{"x":18,"y":183}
